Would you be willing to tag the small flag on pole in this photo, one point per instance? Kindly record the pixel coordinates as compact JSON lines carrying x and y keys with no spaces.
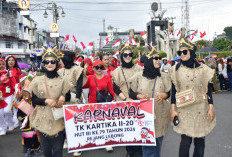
{"x":66,"y":37}
{"x":143,"y":35}
{"x":117,"y":43}
{"x":74,"y":39}
{"x":82,"y":45}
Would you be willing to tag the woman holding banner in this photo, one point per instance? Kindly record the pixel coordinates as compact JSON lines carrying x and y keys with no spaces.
{"x":99,"y":82}
{"x":48,"y":95}
{"x":192,"y":101}
{"x":120,"y":77}
{"x":151,"y":83}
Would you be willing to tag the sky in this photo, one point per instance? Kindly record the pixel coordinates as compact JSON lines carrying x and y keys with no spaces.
{"x":84,"y":17}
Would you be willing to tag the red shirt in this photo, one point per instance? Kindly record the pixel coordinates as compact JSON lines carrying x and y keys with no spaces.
{"x":105,"y":82}
{"x":15,"y":73}
{"x":9,"y":82}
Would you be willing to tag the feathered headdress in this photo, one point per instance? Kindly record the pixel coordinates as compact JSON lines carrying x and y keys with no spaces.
{"x":152,"y":53}
{"x":51,"y":53}
{"x":126,"y":47}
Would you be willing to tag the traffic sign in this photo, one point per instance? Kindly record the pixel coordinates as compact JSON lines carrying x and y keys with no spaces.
{"x":24,"y":4}
{"x":54,"y":27}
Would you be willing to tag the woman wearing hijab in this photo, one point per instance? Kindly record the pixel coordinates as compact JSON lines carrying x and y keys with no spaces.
{"x":151,"y":83}
{"x":73,"y":73}
{"x":191,"y":100}
{"x":120,"y":77}
{"x":48,"y":92}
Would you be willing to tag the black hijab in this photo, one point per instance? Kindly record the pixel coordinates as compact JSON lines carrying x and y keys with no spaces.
{"x":52,"y":74}
{"x":191,"y":62}
{"x":68,"y":59}
{"x":126,"y":65}
{"x":149,"y":70}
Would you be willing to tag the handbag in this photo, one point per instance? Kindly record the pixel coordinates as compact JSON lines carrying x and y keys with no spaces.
{"x":103,"y":95}
{"x":185,"y":98}
{"x":57,"y":112}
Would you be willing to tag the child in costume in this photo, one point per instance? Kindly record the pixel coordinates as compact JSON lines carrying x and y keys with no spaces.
{"x":30,"y":136}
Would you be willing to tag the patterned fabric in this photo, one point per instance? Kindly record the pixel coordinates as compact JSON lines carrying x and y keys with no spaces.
{"x":193,"y":118}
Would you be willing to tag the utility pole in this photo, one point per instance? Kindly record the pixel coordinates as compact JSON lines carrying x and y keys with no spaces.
{"x":54,"y":8}
{"x":55,"y":18}
{"x":104,"y":28}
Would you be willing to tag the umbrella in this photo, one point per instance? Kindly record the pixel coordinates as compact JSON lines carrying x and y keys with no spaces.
{"x":176,"y":58}
{"x":24,"y":66}
{"x":211,"y":56}
{"x":208,"y":50}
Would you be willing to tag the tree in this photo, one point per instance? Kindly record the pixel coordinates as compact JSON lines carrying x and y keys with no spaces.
{"x":201,"y":44}
{"x":162,"y":54}
{"x":228,"y":31}
{"x":142,"y":42}
{"x":221,"y":44}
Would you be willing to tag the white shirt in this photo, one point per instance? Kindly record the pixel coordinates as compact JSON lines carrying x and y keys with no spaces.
{"x":165,"y":68}
{"x":222,"y":71}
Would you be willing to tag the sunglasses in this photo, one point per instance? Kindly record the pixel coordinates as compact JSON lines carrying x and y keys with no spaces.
{"x":127,"y":54}
{"x":157,"y":58}
{"x":184,"y":52}
{"x":99,"y":67}
{"x":49,"y":61}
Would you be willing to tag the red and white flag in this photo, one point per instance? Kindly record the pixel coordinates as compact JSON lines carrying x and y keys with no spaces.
{"x":74,"y":39}
{"x":195,"y":33}
{"x":117,"y":43}
{"x":178,"y":33}
{"x":170,"y":31}
{"x":143,"y":35}
{"x":90,"y":46}
{"x":134,"y":41}
{"x":106,"y":41}
{"x":66,"y":37}
{"x":192,"y":38}
{"x":82,"y":45}
{"x":202,"y":34}
{"x":116,"y":52}
{"x":129,"y":41}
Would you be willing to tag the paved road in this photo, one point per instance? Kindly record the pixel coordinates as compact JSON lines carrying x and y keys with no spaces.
{"x":218,"y":143}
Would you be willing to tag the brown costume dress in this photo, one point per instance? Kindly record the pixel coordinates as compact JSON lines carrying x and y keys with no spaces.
{"x":119,"y":80}
{"x":142,"y":85}
{"x":193,"y":118}
{"x":72,"y":75}
{"x":42,"y":118}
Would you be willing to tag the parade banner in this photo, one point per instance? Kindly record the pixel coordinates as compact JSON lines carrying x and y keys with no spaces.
{"x":94,"y":126}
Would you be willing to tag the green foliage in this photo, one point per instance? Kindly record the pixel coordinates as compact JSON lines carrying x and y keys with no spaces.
{"x":162,"y":54}
{"x":228,"y":31}
{"x":221,"y":44}
{"x":111,"y":51}
{"x":142,"y":42}
{"x":201,"y":43}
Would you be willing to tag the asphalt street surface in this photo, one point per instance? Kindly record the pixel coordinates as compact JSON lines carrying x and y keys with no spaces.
{"x":218,"y":143}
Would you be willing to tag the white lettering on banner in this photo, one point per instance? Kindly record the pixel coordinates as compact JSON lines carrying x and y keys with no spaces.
{"x":94,"y":126}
